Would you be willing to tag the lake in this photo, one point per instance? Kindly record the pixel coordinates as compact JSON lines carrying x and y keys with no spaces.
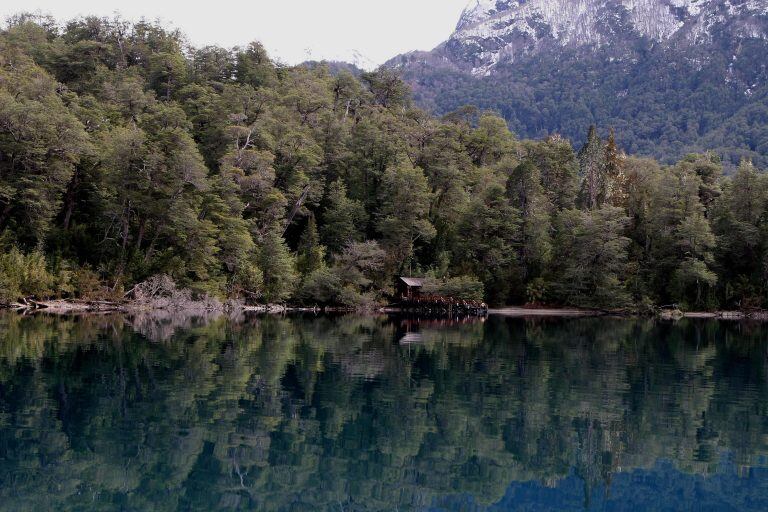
{"x":353,"y":413}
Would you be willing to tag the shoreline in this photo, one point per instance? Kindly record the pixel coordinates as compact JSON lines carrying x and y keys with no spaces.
{"x":518,"y":311}
{"x":67,"y":306}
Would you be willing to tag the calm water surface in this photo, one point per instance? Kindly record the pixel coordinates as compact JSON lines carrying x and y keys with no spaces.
{"x":366,"y":413}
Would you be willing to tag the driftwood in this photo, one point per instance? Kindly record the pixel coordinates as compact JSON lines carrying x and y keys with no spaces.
{"x":160,"y":292}
{"x":28,"y":303}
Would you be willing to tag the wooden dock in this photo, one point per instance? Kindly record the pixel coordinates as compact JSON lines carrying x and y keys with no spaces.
{"x":438,"y":305}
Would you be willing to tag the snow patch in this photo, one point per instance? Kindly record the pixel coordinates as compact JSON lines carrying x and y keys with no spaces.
{"x":500,"y":29}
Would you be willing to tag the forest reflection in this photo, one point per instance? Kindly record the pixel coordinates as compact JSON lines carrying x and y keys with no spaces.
{"x":375,"y":413}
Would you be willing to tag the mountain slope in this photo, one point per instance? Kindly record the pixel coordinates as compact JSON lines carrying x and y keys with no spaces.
{"x":672,"y":76}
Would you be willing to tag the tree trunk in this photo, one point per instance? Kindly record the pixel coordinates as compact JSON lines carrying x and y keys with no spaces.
{"x":151,"y":247}
{"x":69,"y":198}
{"x":140,"y":236}
{"x":4,"y":214}
{"x":125,"y":226}
{"x":296,"y":207}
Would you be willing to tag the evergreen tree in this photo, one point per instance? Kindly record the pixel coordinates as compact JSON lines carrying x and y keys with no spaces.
{"x":591,"y":258}
{"x":403,"y":213}
{"x":344,"y":219}
{"x":695,"y":241}
{"x":279,"y":267}
{"x":527,"y":196}
{"x":489,"y":242}
{"x":310,"y":255}
{"x":615,"y":180}
{"x":41,"y":145}
{"x":559,"y":168}
{"x":741,"y":239}
{"x":592,"y":171}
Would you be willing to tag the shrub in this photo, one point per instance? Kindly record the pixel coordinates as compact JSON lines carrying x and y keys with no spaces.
{"x":24,"y":275}
{"x":323,"y":286}
{"x":353,"y":298}
{"x":87,"y":285}
{"x":461,"y":287}
{"x":247,"y":283}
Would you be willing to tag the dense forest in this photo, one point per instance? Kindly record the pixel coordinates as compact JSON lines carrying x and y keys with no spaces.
{"x":126,"y":153}
{"x":664,"y":101}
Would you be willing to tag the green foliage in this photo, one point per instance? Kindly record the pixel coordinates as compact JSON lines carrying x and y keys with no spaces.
{"x":350,"y":281}
{"x":87,"y":285}
{"x":247,"y":282}
{"x":591,"y":258}
{"x":41,"y":143}
{"x":125,"y":152}
{"x":738,"y":219}
{"x":719,"y":101}
{"x":311,"y":255}
{"x":387,"y":88}
{"x":25,"y":275}
{"x":403,"y":214}
{"x":461,"y":287}
{"x":279,"y":267}
{"x":323,"y":286}
{"x":344,"y":218}
{"x":489,"y":241}
{"x":592,"y":170}
{"x":526,"y":193}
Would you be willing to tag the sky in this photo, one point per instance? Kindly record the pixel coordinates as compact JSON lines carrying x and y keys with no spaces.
{"x":292,"y":30}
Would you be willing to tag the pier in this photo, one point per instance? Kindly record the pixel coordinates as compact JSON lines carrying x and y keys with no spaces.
{"x":411,"y":299}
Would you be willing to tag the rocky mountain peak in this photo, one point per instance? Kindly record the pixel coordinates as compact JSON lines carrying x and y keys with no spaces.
{"x":494,"y":31}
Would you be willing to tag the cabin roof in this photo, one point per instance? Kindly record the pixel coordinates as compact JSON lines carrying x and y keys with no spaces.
{"x":415,"y":282}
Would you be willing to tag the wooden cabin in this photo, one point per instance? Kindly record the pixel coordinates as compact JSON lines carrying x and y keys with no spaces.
{"x":411,"y":298}
{"x":409,"y":288}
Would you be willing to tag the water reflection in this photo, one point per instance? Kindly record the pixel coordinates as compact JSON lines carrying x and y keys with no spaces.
{"x":340,"y":413}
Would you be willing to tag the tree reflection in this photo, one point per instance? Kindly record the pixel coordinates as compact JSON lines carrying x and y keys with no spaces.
{"x":315,"y":413}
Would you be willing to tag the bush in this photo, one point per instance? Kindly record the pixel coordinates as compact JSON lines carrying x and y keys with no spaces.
{"x":461,"y":287}
{"x":88,"y":286}
{"x":247,"y":283}
{"x":536,"y":291}
{"x":353,"y":298}
{"x":24,"y":275}
{"x":323,"y":286}
{"x":160,"y":292}
{"x":327,"y":287}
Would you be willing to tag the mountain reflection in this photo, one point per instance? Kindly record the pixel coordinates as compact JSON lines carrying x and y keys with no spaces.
{"x":375,"y":413}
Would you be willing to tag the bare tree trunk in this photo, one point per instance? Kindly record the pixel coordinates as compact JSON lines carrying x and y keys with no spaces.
{"x":151,"y":247}
{"x":69,"y":198}
{"x":125,"y":226}
{"x":140,"y":236}
{"x":296,"y":207}
{"x":4,"y":214}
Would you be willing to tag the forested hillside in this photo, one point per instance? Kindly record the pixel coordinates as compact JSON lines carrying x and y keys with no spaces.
{"x":663,"y":103}
{"x":125,"y":153}
{"x":672,"y":77}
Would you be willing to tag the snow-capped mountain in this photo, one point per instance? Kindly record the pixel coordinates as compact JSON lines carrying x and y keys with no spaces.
{"x":347,"y":56}
{"x":490,"y":32}
{"x":671,"y":76}
{"x":353,"y":57}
